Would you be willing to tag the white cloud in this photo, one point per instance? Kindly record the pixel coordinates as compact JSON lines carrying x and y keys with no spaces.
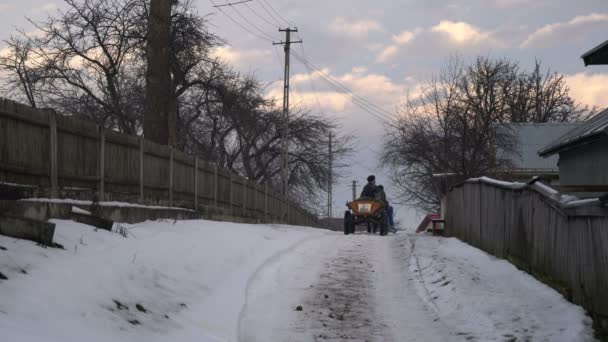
{"x":589,"y":89}
{"x":44,"y":8}
{"x":5,"y":52}
{"x":387,"y":54}
{"x":359,"y":70}
{"x":390,"y":51}
{"x":355,"y":28}
{"x":509,"y":3}
{"x":460,"y":32}
{"x":377,"y":88}
{"x":561,"y":29}
{"x":234,"y":56}
{"x":404,"y":37}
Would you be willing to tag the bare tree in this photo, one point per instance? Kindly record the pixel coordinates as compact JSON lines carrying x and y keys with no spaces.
{"x":22,"y":72}
{"x":451,"y":128}
{"x":88,"y":52}
{"x":89,"y":60}
{"x":543,"y":96}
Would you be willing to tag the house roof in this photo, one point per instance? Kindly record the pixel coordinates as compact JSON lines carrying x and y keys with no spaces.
{"x":531,"y":137}
{"x":597,"y":55}
{"x":588,"y":131}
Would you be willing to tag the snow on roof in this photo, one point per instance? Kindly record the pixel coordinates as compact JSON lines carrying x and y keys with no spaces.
{"x":597,"y":125}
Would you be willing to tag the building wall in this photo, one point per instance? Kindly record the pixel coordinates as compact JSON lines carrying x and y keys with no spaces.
{"x":585,"y":167}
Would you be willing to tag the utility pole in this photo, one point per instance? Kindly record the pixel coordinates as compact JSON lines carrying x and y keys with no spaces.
{"x":284,"y":130}
{"x":354,"y":190}
{"x":329,"y":185}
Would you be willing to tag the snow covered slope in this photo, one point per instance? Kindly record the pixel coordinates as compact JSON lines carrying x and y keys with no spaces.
{"x":483,"y":298}
{"x":167,"y":281}
{"x":211,"y":281}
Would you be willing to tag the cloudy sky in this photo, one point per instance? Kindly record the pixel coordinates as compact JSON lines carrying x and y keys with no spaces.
{"x":384,"y":49}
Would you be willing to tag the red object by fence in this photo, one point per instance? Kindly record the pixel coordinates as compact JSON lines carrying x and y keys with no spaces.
{"x":427,"y":221}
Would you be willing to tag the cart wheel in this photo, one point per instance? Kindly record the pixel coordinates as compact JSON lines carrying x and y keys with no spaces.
{"x":347,"y":220}
{"x":384,"y":225}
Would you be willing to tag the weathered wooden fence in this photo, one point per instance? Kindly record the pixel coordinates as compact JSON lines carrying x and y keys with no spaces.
{"x":564,"y":245}
{"x":63,"y":156}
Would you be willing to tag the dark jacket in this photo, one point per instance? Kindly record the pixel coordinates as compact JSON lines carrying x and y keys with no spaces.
{"x":369,"y":190}
{"x":381,"y":196}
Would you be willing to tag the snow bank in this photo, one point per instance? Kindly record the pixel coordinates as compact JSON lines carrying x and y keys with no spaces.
{"x":77,"y":210}
{"x":487,"y":299}
{"x":168,"y":281}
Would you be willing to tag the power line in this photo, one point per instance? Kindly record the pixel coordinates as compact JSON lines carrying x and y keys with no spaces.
{"x":341,"y":86}
{"x":232,"y":3}
{"x":249,"y":22}
{"x":260,"y":16}
{"x":312,"y":83}
{"x":277,"y":13}
{"x":270,"y":14}
{"x":239,"y":24}
{"x":345,"y":89}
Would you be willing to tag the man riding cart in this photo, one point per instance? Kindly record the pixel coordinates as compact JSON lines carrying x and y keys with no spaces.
{"x":370,"y":209}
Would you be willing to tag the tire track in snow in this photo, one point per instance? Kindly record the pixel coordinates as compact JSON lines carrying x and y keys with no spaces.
{"x":342,"y":307}
{"x":273,"y":259}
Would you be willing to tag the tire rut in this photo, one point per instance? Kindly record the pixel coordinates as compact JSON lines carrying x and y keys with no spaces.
{"x":342,"y":306}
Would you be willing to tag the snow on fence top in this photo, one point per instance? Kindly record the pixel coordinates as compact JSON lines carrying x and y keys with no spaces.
{"x":563,"y":200}
{"x":103,"y":204}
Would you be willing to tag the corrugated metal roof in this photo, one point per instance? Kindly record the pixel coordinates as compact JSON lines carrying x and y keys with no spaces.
{"x":531,"y":137}
{"x":595,"y":126}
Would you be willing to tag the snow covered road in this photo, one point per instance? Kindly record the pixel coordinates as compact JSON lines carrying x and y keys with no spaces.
{"x":404,"y":288}
{"x":211,"y":281}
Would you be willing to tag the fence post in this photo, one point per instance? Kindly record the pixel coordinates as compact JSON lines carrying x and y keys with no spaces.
{"x":265,"y":200}
{"x":141,"y":169}
{"x":102,"y":163}
{"x":215,"y":185}
{"x":53,"y":152}
{"x":195,"y":182}
{"x":244,"y":195}
{"x":230,"y":193}
{"x":170,"y":175}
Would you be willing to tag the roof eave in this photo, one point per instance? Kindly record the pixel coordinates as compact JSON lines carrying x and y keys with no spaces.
{"x":597,"y":56}
{"x":571,"y":144}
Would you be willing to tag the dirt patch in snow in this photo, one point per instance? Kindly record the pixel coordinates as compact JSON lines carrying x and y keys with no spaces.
{"x":341,"y":307}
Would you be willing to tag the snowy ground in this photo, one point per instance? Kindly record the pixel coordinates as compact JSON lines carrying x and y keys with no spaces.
{"x":210,"y":281}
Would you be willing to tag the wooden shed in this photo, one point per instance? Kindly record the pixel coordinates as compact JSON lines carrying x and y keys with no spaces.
{"x":583,"y":156}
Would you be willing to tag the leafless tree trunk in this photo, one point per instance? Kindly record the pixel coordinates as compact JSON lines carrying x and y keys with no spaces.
{"x":159,"y":117}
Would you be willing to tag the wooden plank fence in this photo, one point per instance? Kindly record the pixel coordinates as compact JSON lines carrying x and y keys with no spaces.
{"x":564,"y":246}
{"x":63,"y":156}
